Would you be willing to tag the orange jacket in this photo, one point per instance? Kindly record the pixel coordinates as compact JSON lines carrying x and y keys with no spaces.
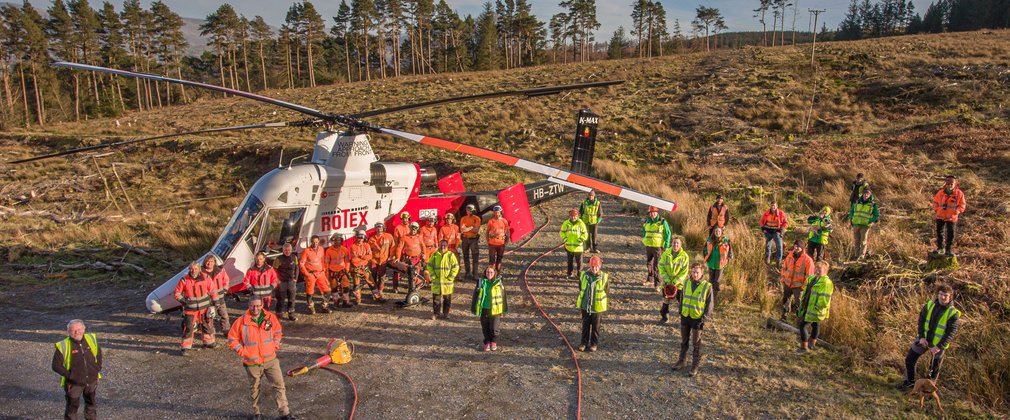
{"x":777,"y":220}
{"x":411,"y":246}
{"x":796,"y":270}
{"x":261,"y":281}
{"x":429,"y":235}
{"x":497,"y":230}
{"x":361,"y":254}
{"x":311,"y":262}
{"x":717,"y":216}
{"x":450,"y":233}
{"x":337,"y":258}
{"x":382,"y":247}
{"x":257,"y":344}
{"x":220,"y":279}
{"x":949,"y":207}
{"x":400,"y":231}
{"x":199,"y":293}
{"x":470,"y":221}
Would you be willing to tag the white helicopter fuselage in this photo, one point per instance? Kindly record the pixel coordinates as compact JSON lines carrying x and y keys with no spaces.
{"x":341,"y":189}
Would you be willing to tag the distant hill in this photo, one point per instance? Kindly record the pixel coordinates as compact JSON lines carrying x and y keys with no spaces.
{"x":190,"y":29}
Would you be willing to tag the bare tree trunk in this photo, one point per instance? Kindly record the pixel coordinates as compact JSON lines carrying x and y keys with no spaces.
{"x":77,"y":96}
{"x":263,"y":66}
{"x":347,"y":57}
{"x":24,"y":97}
{"x":308,"y":50}
{"x":220,"y":65}
{"x":245,"y":65}
{"x":287,"y":61}
{"x":157,"y":93}
{"x":178,"y":73}
{"x":40,"y":107}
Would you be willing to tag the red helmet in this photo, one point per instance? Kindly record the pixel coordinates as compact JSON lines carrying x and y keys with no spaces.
{"x":573,"y":212}
{"x":653,"y":209}
{"x":596,"y":261}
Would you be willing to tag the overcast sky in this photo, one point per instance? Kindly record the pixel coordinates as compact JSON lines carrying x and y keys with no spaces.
{"x":611,"y":14}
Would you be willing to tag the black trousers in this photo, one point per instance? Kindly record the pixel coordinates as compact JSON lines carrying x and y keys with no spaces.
{"x":690,"y":336}
{"x":590,"y":328}
{"x":470,"y":249}
{"x":713,"y":277}
{"x":440,"y":304}
{"x":652,"y":255}
{"x":495,"y":253}
{"x":790,"y":299}
{"x":592,"y":237}
{"x":912,"y":357}
{"x":815,"y":250}
{"x":574,"y":258}
{"x":945,"y":241}
{"x":489,"y":326}
{"x":815,"y":330}
{"x":285,"y":293}
{"x":73,"y":395}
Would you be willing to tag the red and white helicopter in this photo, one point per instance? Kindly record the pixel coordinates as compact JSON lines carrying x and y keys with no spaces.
{"x":344,"y":187}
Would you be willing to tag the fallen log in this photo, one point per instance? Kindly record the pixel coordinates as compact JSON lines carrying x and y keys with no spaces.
{"x":131,"y":248}
{"x":779,"y":325}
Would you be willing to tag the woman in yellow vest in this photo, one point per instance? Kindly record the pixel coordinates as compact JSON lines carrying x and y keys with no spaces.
{"x":591,"y":212}
{"x":815,"y":305}
{"x":696,"y":305}
{"x":574,"y":233}
{"x":656,"y":237}
{"x":489,"y":303}
{"x":592,"y":302}
{"x":443,"y":267}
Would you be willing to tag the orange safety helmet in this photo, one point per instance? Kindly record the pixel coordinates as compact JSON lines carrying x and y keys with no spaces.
{"x":573,"y":212}
{"x":596,"y":261}
{"x":653,"y":209}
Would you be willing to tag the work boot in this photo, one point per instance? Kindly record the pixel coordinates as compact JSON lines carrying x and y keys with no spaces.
{"x":592,"y":348}
{"x":582,"y":347}
{"x":813,"y":344}
{"x":184,"y":352}
{"x":905,"y":385}
{"x":325,"y":308}
{"x":212,"y":345}
{"x":663,"y":311}
{"x":682,"y":360}
{"x":291,"y":316}
{"x":311,"y":304}
{"x":804,"y":348}
{"x":695,"y":365}
{"x":288,"y":417}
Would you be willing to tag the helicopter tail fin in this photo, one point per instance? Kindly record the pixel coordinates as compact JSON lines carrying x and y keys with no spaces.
{"x":585,"y":142}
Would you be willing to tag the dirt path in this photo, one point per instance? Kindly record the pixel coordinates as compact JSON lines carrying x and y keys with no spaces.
{"x":407,"y":365}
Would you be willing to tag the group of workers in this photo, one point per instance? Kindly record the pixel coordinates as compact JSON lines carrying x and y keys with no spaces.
{"x":431,"y":255}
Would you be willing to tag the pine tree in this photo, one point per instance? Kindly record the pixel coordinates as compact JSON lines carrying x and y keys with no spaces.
{"x":170,"y":43}
{"x":761,"y":12}
{"x":851,"y":26}
{"x":85,"y":25}
{"x":113,"y":52}
{"x":60,"y":30}
{"x":36,"y":51}
{"x":261,"y":35}
{"x":342,"y":22}
{"x":486,"y":48}
{"x":616,"y":48}
{"x":639,"y":17}
{"x":658,"y":32}
{"x":705,"y":18}
{"x":313,"y":24}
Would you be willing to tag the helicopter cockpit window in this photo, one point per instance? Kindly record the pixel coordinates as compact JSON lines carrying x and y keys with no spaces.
{"x":282,"y":227}
{"x":238,"y":226}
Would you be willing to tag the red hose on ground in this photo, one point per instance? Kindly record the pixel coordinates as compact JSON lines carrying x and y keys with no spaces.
{"x":354,"y":389}
{"x":575,"y":359}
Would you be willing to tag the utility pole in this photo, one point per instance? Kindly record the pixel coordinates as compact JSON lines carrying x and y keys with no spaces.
{"x":813,"y":45}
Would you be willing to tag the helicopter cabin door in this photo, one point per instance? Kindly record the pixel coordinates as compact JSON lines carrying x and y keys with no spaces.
{"x":282,"y":226}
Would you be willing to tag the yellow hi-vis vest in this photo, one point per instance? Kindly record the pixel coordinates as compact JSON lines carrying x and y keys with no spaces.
{"x":815,"y":302}
{"x":64,"y":347}
{"x":575,"y":234}
{"x":443,"y":268}
{"x":497,"y":291}
{"x":694,"y":299}
{"x":941,"y":325}
{"x":591,"y":212}
{"x":653,"y":233}
{"x":861,"y":213}
{"x":599,"y":292}
{"x":673,"y":268}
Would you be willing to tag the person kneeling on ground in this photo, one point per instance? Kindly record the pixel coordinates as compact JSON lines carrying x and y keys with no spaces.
{"x":489,"y":303}
{"x":938,"y":322}
{"x":696,"y":305}
{"x":592,"y":302}
{"x":815,"y":304}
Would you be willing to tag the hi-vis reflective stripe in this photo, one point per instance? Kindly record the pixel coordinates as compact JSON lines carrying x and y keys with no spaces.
{"x":539,"y":168}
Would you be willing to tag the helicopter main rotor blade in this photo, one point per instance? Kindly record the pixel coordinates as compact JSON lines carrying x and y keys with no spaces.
{"x":163,"y":136}
{"x":294,"y":107}
{"x":529,"y":93}
{"x":550,"y":171}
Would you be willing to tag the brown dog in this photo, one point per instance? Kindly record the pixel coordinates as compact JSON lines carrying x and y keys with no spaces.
{"x":926,"y":387}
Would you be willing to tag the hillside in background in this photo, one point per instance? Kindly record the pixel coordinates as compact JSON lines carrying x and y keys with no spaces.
{"x":754,"y":124}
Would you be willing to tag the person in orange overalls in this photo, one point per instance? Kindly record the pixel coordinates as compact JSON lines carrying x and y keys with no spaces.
{"x":399,"y":232}
{"x":361,"y":263}
{"x":450,"y":233}
{"x":411,"y":250}
{"x":256,"y":338}
{"x":497,"y":233}
{"x":948,"y":203}
{"x":469,"y":230}
{"x":196,"y":292}
{"x":314,"y":273}
{"x":429,"y":235}
{"x":220,"y":278}
{"x":337,"y":266}
{"x":382,"y":244}
{"x":261,"y":279}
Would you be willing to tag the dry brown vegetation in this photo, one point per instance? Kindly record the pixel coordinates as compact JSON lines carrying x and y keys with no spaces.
{"x":904,"y":110}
